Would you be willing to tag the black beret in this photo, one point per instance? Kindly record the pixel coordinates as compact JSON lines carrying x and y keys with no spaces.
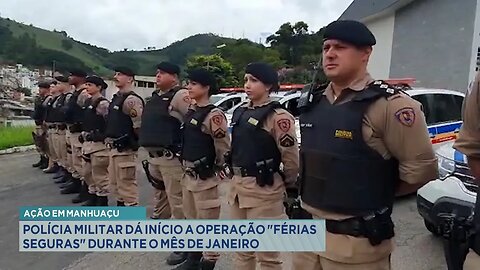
{"x":352,"y":32}
{"x":168,"y":68}
{"x":78,"y":72}
{"x":204,"y":77}
{"x":263,"y":72}
{"x":125,"y":70}
{"x":97,"y":81}
{"x":61,"y":78}
{"x":44,"y":84}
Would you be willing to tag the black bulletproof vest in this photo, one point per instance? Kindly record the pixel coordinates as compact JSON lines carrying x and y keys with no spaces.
{"x":93,"y":121}
{"x":73,"y":111}
{"x":196,"y":143}
{"x":118,"y":123}
{"x":159,"y":128}
{"x":39,"y":111}
{"x":49,"y":114}
{"x":339,"y":171}
{"x":250,"y":142}
{"x":59,"y":108}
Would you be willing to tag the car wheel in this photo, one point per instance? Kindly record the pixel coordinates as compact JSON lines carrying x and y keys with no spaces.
{"x":432,"y":228}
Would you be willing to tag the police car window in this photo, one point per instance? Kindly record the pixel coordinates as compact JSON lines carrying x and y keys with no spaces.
{"x":227,"y":104}
{"x":424,"y":99}
{"x":291,"y":106}
{"x":446,"y":108}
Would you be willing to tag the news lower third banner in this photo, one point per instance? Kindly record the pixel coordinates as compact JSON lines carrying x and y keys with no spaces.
{"x":112,"y":229}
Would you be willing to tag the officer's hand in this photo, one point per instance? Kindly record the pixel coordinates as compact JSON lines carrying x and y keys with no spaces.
{"x":222,"y":175}
{"x":81,"y":139}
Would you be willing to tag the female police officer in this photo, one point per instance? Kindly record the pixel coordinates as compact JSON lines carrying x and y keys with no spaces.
{"x":263,"y":138}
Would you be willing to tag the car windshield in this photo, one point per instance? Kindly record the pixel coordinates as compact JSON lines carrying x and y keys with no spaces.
{"x":215,"y":99}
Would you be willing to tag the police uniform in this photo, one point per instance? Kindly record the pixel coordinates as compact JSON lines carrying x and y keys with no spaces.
{"x":40,"y":134}
{"x":124,"y":118}
{"x":51,"y":133}
{"x":160,"y":136}
{"x":356,"y":149}
{"x":94,"y":152}
{"x":468,"y":143}
{"x":263,"y":139}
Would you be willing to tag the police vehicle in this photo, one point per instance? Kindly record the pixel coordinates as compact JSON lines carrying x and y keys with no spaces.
{"x":226,"y":101}
{"x":455,"y":190}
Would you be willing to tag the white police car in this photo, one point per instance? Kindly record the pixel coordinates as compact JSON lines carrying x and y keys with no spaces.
{"x":226,"y":101}
{"x":454,"y":191}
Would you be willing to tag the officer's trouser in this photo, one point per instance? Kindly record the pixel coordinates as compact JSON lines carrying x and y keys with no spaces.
{"x":472,"y":262}
{"x":51,"y":145}
{"x":266,"y":260}
{"x":61,"y":148}
{"x":76,"y":154}
{"x":201,"y":203}
{"x":100,"y":161}
{"x":86,"y":173}
{"x":170,"y":172}
{"x":312,"y":261}
{"x":122,"y":175}
{"x":41,"y":144}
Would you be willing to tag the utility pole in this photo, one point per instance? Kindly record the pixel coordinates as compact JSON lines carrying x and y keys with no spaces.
{"x":53,"y":68}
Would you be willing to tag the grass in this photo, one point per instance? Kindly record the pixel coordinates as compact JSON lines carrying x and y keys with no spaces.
{"x":15,"y":136}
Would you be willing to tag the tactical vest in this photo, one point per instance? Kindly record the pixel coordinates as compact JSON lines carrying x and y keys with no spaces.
{"x":39,"y":111}
{"x":159,"y":128}
{"x":119,"y":123}
{"x":74,"y":112}
{"x":59,"y":108}
{"x":92,"y":121}
{"x":250,"y":142}
{"x":196,"y":143}
{"x":49,"y":114}
{"x":340,"y":172}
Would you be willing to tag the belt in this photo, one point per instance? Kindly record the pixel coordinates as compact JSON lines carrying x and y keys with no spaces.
{"x":351,"y":226}
{"x":161,"y":153}
{"x":61,"y":126}
{"x":86,"y":158}
{"x":244,"y":172}
{"x":74,"y":128}
{"x":51,"y":126}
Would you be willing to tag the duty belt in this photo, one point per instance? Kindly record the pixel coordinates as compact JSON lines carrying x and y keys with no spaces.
{"x":244,"y":172}
{"x":162,"y":153}
{"x":51,"y":126}
{"x":61,"y":126}
{"x":75,"y":128}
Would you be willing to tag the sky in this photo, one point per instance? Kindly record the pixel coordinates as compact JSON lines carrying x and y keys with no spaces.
{"x":137,"y":24}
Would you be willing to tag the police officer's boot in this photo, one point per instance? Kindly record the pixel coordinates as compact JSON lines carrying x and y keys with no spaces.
{"x":92,"y":200}
{"x":119,"y":203}
{"x":40,"y":161}
{"x":44,"y":164}
{"x":61,"y":172}
{"x":53,"y":169}
{"x":192,"y":262}
{"x":83,"y":195}
{"x":102,"y":201}
{"x":72,"y":188}
{"x":206,"y":264}
{"x":66,"y":179}
{"x":177,"y":257}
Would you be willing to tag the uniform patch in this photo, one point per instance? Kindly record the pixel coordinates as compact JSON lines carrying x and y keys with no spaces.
{"x":219,"y":133}
{"x":284,"y":124}
{"x":217,"y":120}
{"x":406,"y":116}
{"x":253,"y":121}
{"x":187,"y":99}
{"x":343,"y":134}
{"x":287,"y":141}
{"x":133,"y":113}
{"x":193,"y":122}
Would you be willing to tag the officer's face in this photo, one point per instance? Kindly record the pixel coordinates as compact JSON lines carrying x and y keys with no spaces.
{"x":342,"y":60}
{"x":197,"y":90}
{"x":61,"y":87}
{"x":165,"y":80}
{"x":92,"y":89}
{"x":122,"y":80}
{"x":43,"y":91}
{"x":53,"y":89}
{"x":73,"y":80}
{"x":254,"y":88}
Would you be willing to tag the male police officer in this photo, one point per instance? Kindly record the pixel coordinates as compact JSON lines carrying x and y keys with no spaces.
{"x":468,"y":142}
{"x":362,"y":143}
{"x":160,"y":135}
{"x":94,"y":151}
{"x":40,"y":134}
{"x":205,"y":142}
{"x":51,"y":129}
{"x":123,"y":123}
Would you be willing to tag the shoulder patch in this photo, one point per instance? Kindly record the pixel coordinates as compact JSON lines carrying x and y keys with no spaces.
{"x":284,"y":124}
{"x":287,"y":141}
{"x":219,"y":133}
{"x":217,"y":119}
{"x":406,"y":116}
{"x":187,"y":99}
{"x":133,"y":113}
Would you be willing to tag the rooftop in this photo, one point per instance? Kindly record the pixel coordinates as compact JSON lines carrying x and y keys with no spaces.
{"x":365,"y":10}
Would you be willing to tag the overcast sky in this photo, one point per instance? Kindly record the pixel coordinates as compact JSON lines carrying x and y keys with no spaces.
{"x":137,"y":24}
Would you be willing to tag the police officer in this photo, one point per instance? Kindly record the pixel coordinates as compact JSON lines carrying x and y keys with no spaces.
{"x":94,"y":151}
{"x":205,"y":142}
{"x":160,"y":136}
{"x":362,"y":143}
{"x":468,"y":143}
{"x":51,"y":129}
{"x":74,"y":119}
{"x":263,"y":139}
{"x":123,"y":123}
{"x":40,"y":134}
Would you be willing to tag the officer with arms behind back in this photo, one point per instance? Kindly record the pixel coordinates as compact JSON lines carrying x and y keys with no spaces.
{"x":160,"y":135}
{"x":123,"y":123}
{"x":40,"y":134}
{"x":362,"y":143}
{"x":263,"y":139}
{"x":468,"y":142}
{"x":51,"y":129}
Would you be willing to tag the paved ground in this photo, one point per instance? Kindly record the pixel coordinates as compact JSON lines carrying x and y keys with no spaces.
{"x":21,"y":185}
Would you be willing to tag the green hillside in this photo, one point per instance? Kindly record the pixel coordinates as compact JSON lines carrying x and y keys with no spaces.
{"x":46,"y":46}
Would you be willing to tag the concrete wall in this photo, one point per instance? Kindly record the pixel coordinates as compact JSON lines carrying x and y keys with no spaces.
{"x":141,"y":91}
{"x":432,"y":41}
{"x":379,"y":64}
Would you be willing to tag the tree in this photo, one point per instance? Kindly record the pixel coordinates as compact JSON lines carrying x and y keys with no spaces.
{"x":222,"y":69}
{"x":67,"y":44}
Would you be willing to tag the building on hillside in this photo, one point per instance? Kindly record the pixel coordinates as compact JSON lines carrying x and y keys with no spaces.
{"x":435,"y":41}
{"x":144,"y":86}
